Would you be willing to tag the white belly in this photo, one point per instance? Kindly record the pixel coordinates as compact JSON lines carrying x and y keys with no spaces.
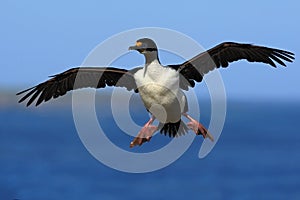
{"x":163,"y":103}
{"x":159,"y":90}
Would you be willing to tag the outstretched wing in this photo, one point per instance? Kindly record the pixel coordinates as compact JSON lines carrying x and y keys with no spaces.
{"x":225,"y":53}
{"x":75,"y":78}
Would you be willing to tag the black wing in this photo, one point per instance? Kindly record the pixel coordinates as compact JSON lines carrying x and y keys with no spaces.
{"x":224,"y":53}
{"x":76,"y":78}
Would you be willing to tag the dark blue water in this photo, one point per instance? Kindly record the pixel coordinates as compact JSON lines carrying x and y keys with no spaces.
{"x":257,"y":157}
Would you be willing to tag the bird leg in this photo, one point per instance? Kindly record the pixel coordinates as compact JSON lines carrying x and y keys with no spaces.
{"x":198,"y":128}
{"x":145,"y":133}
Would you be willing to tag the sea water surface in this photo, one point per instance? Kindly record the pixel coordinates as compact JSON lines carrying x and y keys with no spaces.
{"x":256,"y":157}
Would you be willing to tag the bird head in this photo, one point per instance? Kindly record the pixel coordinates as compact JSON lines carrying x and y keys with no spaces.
{"x":144,"y":45}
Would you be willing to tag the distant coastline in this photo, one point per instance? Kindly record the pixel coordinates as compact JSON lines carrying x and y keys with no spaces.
{"x":8,"y":98}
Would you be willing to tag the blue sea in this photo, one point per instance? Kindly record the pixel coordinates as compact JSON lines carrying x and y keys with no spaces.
{"x":256,"y":157}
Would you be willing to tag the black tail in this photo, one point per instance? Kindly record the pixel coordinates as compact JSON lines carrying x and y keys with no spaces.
{"x":173,"y":129}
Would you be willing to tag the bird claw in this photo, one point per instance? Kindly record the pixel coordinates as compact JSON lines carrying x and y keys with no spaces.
{"x":199,"y":129}
{"x":144,"y":135}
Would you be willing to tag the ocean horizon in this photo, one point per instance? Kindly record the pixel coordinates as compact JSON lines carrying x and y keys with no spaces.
{"x":256,"y":156}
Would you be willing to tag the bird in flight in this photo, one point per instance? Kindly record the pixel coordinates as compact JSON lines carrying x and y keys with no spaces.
{"x":161,"y":88}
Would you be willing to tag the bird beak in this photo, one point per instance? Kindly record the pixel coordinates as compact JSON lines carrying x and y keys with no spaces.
{"x":137,"y":46}
{"x":133,"y":48}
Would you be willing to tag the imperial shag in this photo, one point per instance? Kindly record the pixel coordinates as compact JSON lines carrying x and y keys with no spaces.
{"x":160,"y":87}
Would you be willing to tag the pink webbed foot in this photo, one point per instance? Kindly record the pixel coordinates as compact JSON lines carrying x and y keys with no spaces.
{"x":198,"y":128}
{"x":145,"y":134}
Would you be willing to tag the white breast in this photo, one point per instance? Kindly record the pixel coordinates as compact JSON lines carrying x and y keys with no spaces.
{"x":159,"y":89}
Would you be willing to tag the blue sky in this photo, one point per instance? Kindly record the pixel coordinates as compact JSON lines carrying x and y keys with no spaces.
{"x":41,"y":38}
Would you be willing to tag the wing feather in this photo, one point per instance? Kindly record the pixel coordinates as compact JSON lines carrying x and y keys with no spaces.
{"x":75,"y":78}
{"x":225,"y":53}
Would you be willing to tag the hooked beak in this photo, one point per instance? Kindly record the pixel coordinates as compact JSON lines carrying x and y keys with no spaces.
{"x":133,"y":48}
{"x":137,"y":46}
